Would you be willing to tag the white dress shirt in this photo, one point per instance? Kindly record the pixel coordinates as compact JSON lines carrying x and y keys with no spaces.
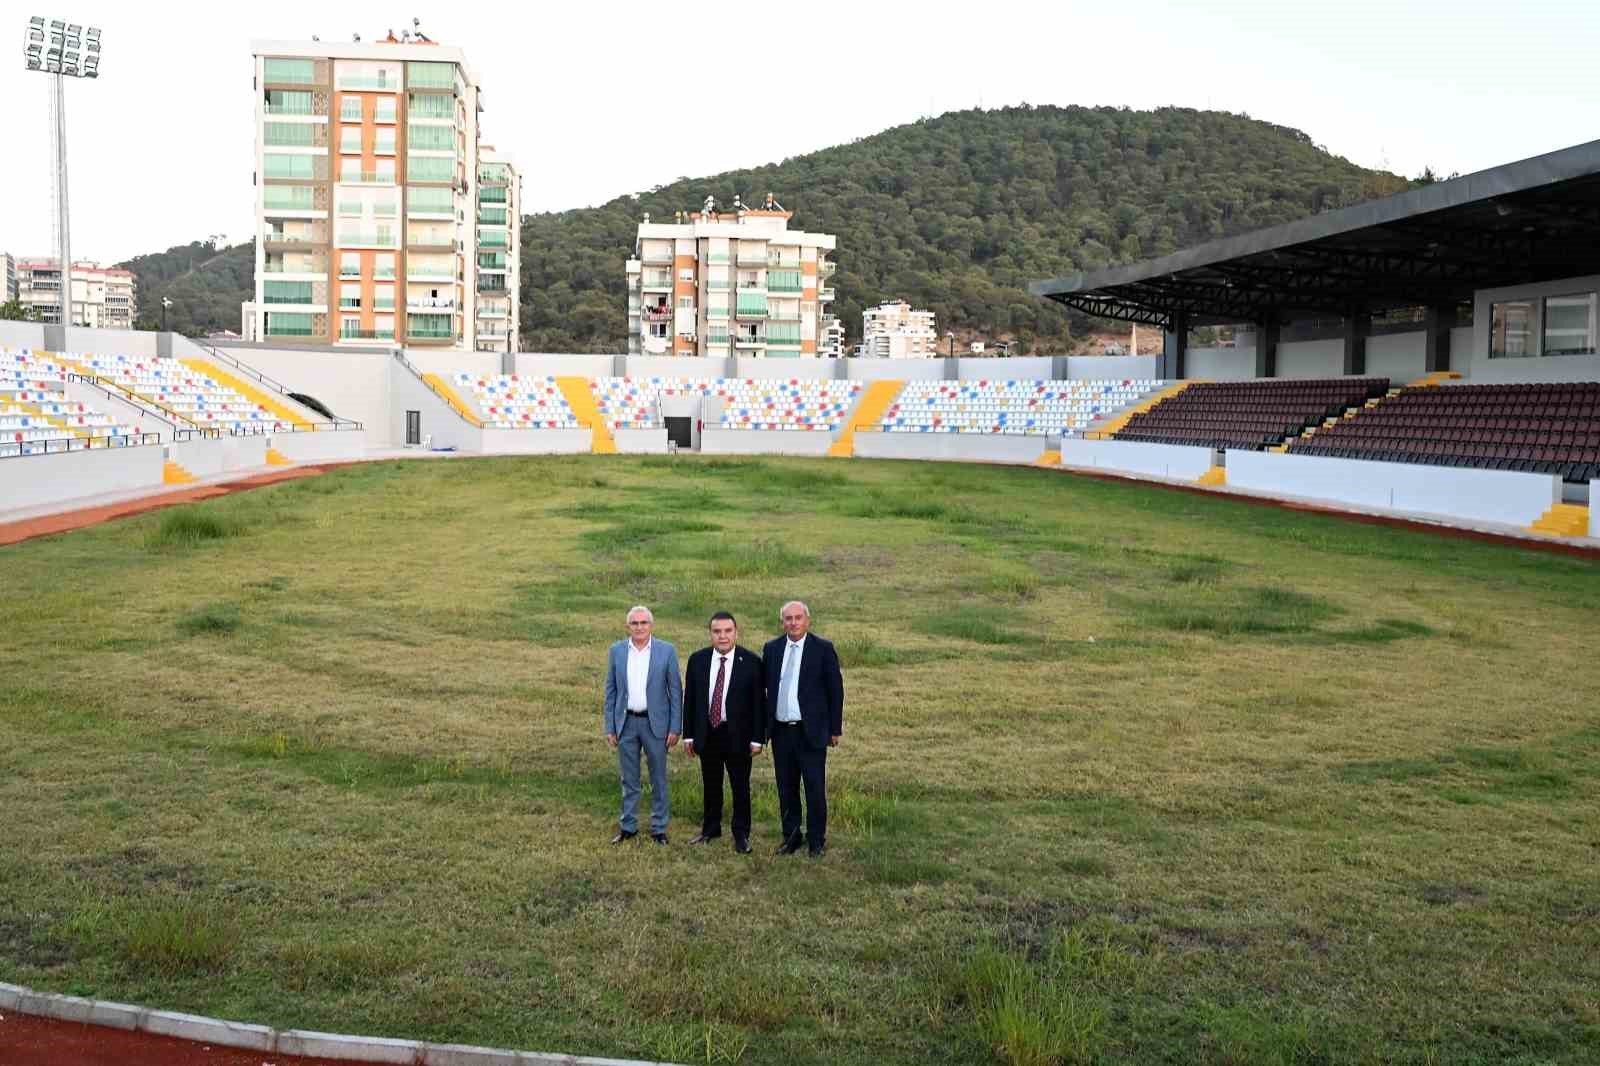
{"x":788,"y":684}
{"x":711,"y":682}
{"x":639,"y":675}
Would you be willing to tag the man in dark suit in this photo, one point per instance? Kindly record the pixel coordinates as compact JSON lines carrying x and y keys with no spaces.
{"x":805,"y":717}
{"x":724,"y":725}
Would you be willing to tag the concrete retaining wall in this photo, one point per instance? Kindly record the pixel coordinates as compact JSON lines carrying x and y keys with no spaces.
{"x":1136,"y":457}
{"x":556,"y":365}
{"x":641,"y":441}
{"x":1504,"y":496}
{"x":315,"y":447}
{"x":354,"y":384}
{"x":439,"y":420}
{"x":949,"y":447}
{"x":536,"y":441}
{"x":895,"y":369}
{"x":763,"y":442}
{"x":1594,"y":509}
{"x":1017,"y":368}
{"x":221,"y":455}
{"x":30,"y":481}
{"x":1111,"y":367}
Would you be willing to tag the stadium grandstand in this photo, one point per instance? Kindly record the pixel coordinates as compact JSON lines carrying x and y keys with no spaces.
{"x":1431,"y":354}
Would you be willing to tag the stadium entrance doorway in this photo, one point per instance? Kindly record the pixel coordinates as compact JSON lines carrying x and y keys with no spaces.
{"x":413,"y":427}
{"x":680,"y":431}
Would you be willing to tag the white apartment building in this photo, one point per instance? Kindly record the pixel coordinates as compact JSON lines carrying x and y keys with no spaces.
{"x":726,"y":283}
{"x":499,"y":236}
{"x":367,"y":197}
{"x":8,"y":278}
{"x":831,"y":342}
{"x":102,"y":297}
{"x":894,"y":331}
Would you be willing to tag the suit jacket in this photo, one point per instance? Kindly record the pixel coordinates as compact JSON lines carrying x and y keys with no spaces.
{"x":744,"y":699}
{"x":663,"y":689}
{"x":819,"y":689}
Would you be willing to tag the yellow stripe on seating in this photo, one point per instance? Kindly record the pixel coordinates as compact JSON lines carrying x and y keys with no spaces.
{"x":457,"y":405}
{"x":1563,"y":520}
{"x":176,"y":474}
{"x":878,"y":398}
{"x":587,"y":412}
{"x":1120,"y":422}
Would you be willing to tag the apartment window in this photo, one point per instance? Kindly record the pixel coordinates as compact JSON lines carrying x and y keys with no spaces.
{"x":350,"y":109}
{"x":288,"y":134}
{"x":686,"y":303}
{"x":350,"y":139}
{"x":288,"y":166}
{"x":349,"y":208}
{"x":428,"y":168}
{"x":1569,"y":325}
{"x":658,"y":329}
{"x":431,"y":138}
{"x":293,"y":71}
{"x":430,"y":202}
{"x":1511,"y":329}
{"x":288,"y":102}
{"x":286,"y":292}
{"x":427,"y":105}
{"x":431,"y":75}
{"x":384,"y":144}
{"x":686,"y":274}
{"x":350,"y":295}
{"x":384,"y":110}
{"x":491,"y":216}
{"x":783,"y":280}
{"x":280,"y":324}
{"x":349,"y":264}
{"x":383,"y":265}
{"x":288,"y":197}
{"x":383,"y":298}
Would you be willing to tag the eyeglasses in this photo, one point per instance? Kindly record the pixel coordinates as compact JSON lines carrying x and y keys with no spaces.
{"x":640,"y":622}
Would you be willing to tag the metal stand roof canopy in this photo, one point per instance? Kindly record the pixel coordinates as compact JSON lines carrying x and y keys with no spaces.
{"x":1525,"y":222}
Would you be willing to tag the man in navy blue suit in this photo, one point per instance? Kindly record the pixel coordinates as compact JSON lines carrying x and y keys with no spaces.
{"x":805,"y":717}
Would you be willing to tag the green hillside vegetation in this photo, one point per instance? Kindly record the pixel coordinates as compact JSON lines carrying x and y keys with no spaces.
{"x":956,"y":214}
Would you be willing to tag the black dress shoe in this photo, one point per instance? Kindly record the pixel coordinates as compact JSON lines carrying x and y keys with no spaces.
{"x":789,"y":847}
{"x":817,"y":853}
{"x":659,"y":838}
{"x":741,"y":845}
{"x":702,"y":838}
{"x":623,"y":834}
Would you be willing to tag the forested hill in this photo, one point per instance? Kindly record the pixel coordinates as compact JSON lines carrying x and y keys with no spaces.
{"x":960,"y":212}
{"x":956,"y":213}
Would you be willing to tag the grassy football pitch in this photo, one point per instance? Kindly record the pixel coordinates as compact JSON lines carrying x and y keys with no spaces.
{"x":1128,"y":775}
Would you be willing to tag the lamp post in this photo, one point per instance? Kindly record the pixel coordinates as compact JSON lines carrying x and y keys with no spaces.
{"x":950,"y":335}
{"x":165,"y":303}
{"x":62,"y":50}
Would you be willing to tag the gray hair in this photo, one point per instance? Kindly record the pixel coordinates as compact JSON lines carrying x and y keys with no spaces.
{"x":793,"y":603}
{"x":635,"y":609}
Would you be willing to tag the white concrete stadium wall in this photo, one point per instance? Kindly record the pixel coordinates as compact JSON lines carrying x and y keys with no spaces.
{"x":666,"y":366}
{"x":28,"y":335}
{"x":430,"y":361}
{"x":536,"y":441}
{"x":784,"y":369}
{"x":1503,"y":496}
{"x":1311,"y":359}
{"x":1220,"y":364}
{"x":1400,"y":357}
{"x":1137,"y":457}
{"x":1486,"y":371}
{"x":221,"y":455}
{"x":352,"y":385}
{"x":30,"y":481}
{"x":763,"y":442}
{"x":439,"y":420}
{"x":1017,"y":368}
{"x":641,"y":441}
{"x":111,"y":341}
{"x":950,"y":447}
{"x":1113,"y":367}
{"x":537,"y":364}
{"x":894,"y":369}
{"x":1594,"y":509}
{"x":319,"y":447}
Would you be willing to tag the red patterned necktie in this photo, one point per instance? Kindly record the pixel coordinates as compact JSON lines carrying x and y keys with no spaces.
{"x":716,"y":693}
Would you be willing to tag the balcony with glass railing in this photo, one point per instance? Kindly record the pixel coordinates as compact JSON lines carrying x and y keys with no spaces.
{"x":428,"y":273}
{"x":430,"y":327}
{"x":369,"y":83}
{"x":828,"y":268}
{"x":825,"y":294}
{"x":429,"y":75}
{"x":491,"y":196}
{"x":492,"y":261}
{"x":304,"y":236}
{"x":493,"y":175}
{"x":752,"y":257}
{"x":657,"y":280}
{"x":366,"y":177}
{"x":745,"y":340}
{"x":368,"y":238}
{"x":429,"y":106}
{"x":491,"y":216}
{"x":717,"y":257}
{"x":352,"y":333}
{"x":492,"y":283}
{"x":287,"y":102}
{"x":493,"y":238}
{"x":304,"y":265}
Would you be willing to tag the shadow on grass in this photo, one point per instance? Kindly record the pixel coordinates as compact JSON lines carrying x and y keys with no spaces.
{"x":215,"y":618}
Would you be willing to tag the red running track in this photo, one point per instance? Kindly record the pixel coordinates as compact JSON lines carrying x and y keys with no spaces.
{"x":29,"y":1041}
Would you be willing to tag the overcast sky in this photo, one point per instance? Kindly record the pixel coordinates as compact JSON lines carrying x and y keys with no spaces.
{"x":597,"y":99}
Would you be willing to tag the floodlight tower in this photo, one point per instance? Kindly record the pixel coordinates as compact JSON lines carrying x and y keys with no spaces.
{"x":63,"y":50}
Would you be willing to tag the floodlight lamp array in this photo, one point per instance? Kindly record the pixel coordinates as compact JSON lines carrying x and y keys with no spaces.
{"x":55,"y":46}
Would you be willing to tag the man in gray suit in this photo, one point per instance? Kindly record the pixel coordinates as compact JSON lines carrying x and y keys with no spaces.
{"x":644,"y":710}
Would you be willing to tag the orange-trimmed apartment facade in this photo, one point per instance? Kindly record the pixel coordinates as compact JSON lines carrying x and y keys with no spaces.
{"x":729,"y":283}
{"x":367,"y":197}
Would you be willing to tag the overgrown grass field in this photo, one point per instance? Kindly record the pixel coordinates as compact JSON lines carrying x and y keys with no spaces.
{"x":1128,"y":775}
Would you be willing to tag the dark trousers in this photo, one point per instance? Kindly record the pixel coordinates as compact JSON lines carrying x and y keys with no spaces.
{"x":716,"y":754}
{"x":794,"y":762}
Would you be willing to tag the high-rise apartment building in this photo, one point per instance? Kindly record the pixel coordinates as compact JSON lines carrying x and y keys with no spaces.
{"x":894,"y":331}
{"x":499,"y":236}
{"x":737,"y":282}
{"x":8,"y":278}
{"x":102,"y":297}
{"x":367,"y":167}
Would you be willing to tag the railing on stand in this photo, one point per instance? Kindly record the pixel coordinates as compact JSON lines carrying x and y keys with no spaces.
{"x":337,"y":423}
{"x":60,"y":445}
{"x":173,"y":419}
